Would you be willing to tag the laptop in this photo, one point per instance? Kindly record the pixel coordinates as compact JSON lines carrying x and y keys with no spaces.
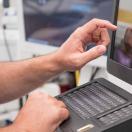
{"x":100,"y":106}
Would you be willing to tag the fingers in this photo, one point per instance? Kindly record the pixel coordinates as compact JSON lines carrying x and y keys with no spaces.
{"x":44,"y":110}
{"x":104,"y":37}
{"x":60,"y":104}
{"x":92,"y":25}
{"x":64,"y":114}
{"x":93,"y":53}
{"x":85,"y":32}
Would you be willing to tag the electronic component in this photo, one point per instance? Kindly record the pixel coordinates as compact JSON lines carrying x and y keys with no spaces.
{"x":100,"y":104}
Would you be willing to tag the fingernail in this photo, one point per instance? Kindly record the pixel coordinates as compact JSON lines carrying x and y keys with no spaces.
{"x":115,"y":27}
{"x":101,"y":49}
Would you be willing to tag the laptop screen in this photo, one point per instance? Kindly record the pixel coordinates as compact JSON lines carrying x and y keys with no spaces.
{"x":50,"y":22}
{"x":123,"y":40}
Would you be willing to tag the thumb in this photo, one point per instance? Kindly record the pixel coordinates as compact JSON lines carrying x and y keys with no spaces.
{"x":93,"y":53}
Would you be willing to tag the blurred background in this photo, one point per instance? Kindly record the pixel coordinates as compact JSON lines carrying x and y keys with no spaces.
{"x":30,"y":28}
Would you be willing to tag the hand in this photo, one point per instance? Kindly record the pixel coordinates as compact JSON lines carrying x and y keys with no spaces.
{"x":72,"y":54}
{"x":41,"y":113}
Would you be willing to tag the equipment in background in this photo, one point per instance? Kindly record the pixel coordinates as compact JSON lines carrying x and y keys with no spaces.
{"x":52,"y":21}
{"x":6,"y":3}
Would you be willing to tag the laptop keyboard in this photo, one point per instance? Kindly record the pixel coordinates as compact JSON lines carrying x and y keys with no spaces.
{"x":116,"y":115}
{"x":92,"y":100}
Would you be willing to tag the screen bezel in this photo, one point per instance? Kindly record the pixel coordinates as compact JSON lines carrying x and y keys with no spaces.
{"x":122,"y":72}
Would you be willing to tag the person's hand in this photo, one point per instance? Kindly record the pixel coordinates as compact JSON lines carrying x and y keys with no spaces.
{"x":72,"y":54}
{"x":41,"y":113}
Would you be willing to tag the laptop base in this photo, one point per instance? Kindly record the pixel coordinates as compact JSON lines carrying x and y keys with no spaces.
{"x":98,"y":106}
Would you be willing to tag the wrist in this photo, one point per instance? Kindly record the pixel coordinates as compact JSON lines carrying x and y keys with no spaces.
{"x":52,"y":63}
{"x":55,"y":62}
{"x":47,"y":65}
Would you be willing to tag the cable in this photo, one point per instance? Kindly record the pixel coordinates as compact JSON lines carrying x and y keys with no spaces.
{"x":95,"y":73}
{"x":6,"y":4}
{"x":20,"y":103}
{"x":6,"y":43}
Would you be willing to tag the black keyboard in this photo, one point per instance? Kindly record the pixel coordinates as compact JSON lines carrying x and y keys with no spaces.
{"x":93,"y":100}
{"x":98,"y":106}
{"x":116,"y":115}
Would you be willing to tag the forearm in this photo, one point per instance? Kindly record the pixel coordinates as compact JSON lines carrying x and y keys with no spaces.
{"x":19,"y":78}
{"x":14,"y":128}
{"x":7,"y":129}
{"x":10,"y":129}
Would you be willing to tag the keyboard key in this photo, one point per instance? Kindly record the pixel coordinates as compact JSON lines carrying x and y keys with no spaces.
{"x":114,"y":96}
{"x":116,"y":115}
{"x":95,"y":99}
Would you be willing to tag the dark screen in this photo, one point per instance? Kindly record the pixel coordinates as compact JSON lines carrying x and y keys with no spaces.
{"x":123,"y":39}
{"x":52,"y":21}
